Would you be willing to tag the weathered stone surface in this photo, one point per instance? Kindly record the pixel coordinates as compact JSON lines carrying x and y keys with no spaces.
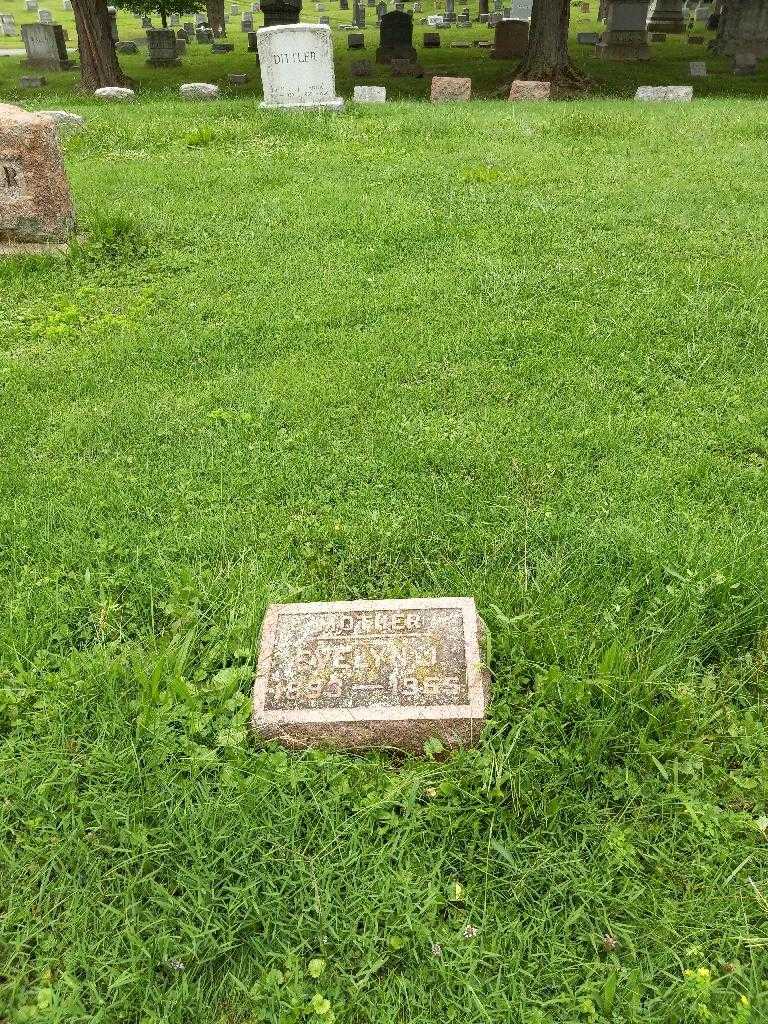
{"x":35,"y":203}
{"x":625,"y":37}
{"x":445,"y":89}
{"x":696,"y":40}
{"x":371,"y":673}
{"x":361,"y":68}
{"x":667,"y":16}
{"x":356,"y":41}
{"x":65,"y":119}
{"x":431,"y":40}
{"x":370,"y":94}
{"x":127,"y":47}
{"x":522,"y":90}
{"x":665,"y":93}
{"x":511,"y":40}
{"x":45,"y":47}
{"x":235,"y":79}
{"x":115,"y":93}
{"x":32,"y":81}
{"x":587,"y":38}
{"x":697,"y":68}
{"x":199,"y":91}
{"x":297,"y":67}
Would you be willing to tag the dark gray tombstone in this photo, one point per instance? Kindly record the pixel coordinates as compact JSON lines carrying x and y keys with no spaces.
{"x":162,"y":47}
{"x":396,"y":38}
{"x":281,"y":12}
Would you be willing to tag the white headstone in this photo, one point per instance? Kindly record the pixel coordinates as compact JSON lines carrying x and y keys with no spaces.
{"x":115,"y":93}
{"x":665,"y":93}
{"x":296,"y":64}
{"x":522,"y":10}
{"x":199,"y":91}
{"x":370,"y":94}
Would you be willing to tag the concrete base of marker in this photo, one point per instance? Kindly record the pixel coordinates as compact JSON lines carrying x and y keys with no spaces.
{"x":50,"y":65}
{"x":33,"y":248}
{"x":335,"y":104}
{"x":624,"y":48}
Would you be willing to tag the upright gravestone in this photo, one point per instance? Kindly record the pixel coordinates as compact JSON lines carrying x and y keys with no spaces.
{"x":511,"y":40}
{"x":280,"y":12}
{"x":44,"y":17}
{"x":297,"y":67}
{"x":246,"y":22}
{"x":30,"y":5}
{"x":356,"y":674}
{"x":7,"y":25}
{"x":112,"y":12}
{"x":45,"y":47}
{"x":35,"y":203}
{"x":625,"y":37}
{"x":668,"y":17}
{"x":521,"y":10}
{"x":450,"y":11}
{"x":162,"y":47}
{"x":358,"y":14}
{"x":396,"y":38}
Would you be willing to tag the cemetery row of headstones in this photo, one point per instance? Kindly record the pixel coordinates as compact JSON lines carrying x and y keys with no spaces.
{"x":297,"y":71}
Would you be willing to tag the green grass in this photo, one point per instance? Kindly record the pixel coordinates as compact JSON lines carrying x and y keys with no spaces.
{"x":511,"y":351}
{"x":490,"y":78}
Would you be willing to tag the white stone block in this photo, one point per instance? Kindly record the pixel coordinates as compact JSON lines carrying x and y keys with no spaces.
{"x":296,"y":63}
{"x":199,"y":91}
{"x":665,"y":93}
{"x":114,"y":92}
{"x":370,"y":94}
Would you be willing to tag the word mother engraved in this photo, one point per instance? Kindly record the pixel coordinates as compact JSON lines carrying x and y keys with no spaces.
{"x":371,"y":673}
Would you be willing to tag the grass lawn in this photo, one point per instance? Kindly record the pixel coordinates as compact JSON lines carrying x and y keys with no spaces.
{"x":513,"y":351}
{"x":490,"y":78}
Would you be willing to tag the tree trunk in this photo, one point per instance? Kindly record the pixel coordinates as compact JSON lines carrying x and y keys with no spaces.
{"x":215,"y":11}
{"x":163,"y":17}
{"x":547,"y":59}
{"x":743,"y":28}
{"x":98,"y":61}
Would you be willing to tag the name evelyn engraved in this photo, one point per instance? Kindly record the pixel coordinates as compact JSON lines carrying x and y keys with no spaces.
{"x":354,"y":659}
{"x":294,"y":58}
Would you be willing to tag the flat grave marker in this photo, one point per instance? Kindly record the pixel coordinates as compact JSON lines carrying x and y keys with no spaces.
{"x":356,"y":674}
